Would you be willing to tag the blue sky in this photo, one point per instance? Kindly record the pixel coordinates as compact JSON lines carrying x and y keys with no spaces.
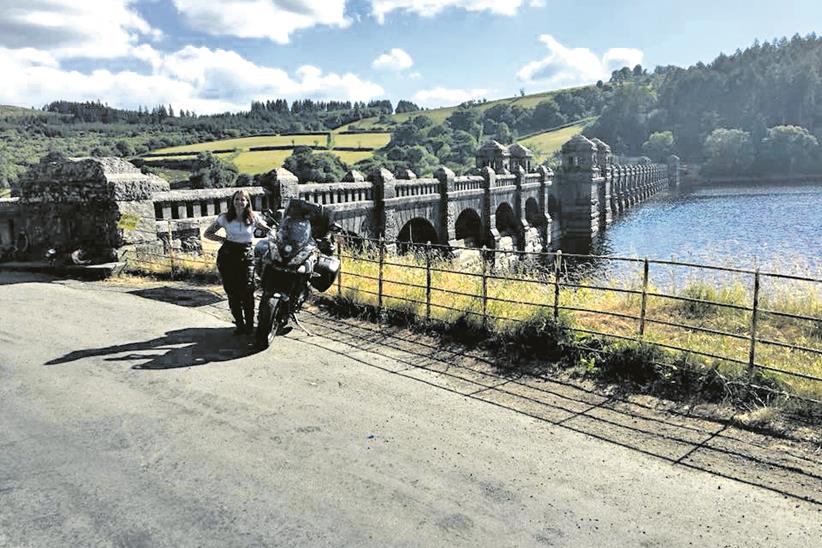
{"x":213,"y":56}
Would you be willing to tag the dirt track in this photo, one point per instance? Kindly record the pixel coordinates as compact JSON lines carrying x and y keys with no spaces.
{"x":129,"y":421}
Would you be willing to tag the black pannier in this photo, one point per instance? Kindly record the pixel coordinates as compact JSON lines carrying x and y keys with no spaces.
{"x":326,"y":269}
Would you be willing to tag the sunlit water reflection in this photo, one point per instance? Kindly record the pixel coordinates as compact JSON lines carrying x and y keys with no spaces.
{"x":776,"y":228}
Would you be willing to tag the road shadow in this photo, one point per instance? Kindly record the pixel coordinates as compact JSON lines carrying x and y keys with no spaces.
{"x":188,"y":347}
{"x":10,"y":277}
{"x":693,"y":440}
{"x":179,"y":295}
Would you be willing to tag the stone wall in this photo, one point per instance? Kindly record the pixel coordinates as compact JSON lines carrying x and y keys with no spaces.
{"x":10,"y":221}
{"x":101,"y":205}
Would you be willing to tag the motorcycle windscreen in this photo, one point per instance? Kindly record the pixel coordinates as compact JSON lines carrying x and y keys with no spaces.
{"x":294,"y":234}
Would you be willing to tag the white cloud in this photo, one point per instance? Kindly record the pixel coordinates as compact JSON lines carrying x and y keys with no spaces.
{"x":396,"y":59}
{"x":616,"y":58}
{"x":430,"y":8}
{"x":66,"y":28}
{"x":275,"y":20}
{"x":192,"y":78}
{"x":566,"y":66}
{"x":440,"y":96}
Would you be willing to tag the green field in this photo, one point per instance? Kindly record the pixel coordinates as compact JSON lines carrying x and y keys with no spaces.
{"x":263,"y":161}
{"x":253,"y":162}
{"x":545,"y":144}
{"x":244,"y":143}
{"x":438,"y":115}
{"x":369,"y":140}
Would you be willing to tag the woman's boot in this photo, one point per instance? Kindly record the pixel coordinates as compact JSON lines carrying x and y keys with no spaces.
{"x":248,"y":312}
{"x":236,"y":307}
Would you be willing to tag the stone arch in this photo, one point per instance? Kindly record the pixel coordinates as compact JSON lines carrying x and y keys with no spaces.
{"x":417,"y":231}
{"x":554,"y":206}
{"x":468,"y":228}
{"x":532,"y":213}
{"x":508,"y":226}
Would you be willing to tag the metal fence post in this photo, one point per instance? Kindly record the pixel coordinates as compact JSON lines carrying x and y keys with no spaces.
{"x":341,"y":246}
{"x":428,"y":281}
{"x":644,"y":297}
{"x":380,"y":275}
{"x":754,"y":318}
{"x":484,"y":289}
{"x":557,"y":271}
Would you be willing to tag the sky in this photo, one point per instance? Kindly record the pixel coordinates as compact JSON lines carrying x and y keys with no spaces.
{"x":212,"y":56}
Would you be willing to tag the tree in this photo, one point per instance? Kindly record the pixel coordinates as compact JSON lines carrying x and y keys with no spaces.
{"x":124,"y":149}
{"x":406,"y":106}
{"x":315,"y":167}
{"x":503,"y":134}
{"x":546,"y":115}
{"x":659,"y":146}
{"x":789,"y":148}
{"x":728,"y":152}
{"x":625,"y":118}
{"x":466,"y":118}
{"x":211,"y":172}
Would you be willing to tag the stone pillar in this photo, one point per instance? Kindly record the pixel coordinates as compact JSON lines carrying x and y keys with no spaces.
{"x":385,"y":199}
{"x":529,"y":233}
{"x":603,"y":155}
{"x":673,"y":171}
{"x":619,"y":175}
{"x":489,"y":225}
{"x":448,"y":216}
{"x":545,"y":229}
{"x":281,"y":185}
{"x":578,"y":185}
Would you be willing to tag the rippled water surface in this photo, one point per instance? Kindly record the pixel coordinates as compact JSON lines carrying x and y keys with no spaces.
{"x":776,"y":228}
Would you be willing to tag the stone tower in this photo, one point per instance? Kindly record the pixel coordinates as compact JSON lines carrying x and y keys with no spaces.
{"x":578,"y":192}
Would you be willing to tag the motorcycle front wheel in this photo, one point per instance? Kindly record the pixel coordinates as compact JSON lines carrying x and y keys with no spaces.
{"x":268,"y":324}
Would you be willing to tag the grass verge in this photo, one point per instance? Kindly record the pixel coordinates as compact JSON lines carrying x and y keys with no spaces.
{"x":591,"y":332}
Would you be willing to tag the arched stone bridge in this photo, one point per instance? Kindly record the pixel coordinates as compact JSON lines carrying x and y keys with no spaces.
{"x":109,"y":200}
{"x":526,"y":211}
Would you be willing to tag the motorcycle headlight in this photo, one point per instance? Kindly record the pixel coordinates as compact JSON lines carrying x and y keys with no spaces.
{"x":287,"y":249}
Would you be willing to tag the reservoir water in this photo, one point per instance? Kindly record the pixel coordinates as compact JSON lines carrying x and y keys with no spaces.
{"x":778,"y":228}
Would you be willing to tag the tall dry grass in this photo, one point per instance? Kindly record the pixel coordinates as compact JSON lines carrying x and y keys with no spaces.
{"x":711,"y":325}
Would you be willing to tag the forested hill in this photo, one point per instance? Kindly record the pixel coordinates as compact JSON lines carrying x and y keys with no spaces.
{"x":759,"y":105}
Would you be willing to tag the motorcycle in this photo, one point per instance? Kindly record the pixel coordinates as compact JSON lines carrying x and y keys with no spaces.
{"x":295,"y":256}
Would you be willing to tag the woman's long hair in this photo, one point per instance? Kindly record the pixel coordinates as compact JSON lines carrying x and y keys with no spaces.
{"x":248,"y":213}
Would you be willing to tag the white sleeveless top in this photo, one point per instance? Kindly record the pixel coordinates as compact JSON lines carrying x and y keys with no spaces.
{"x":236,"y":230}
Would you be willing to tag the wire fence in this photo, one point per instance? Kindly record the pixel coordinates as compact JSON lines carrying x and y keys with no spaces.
{"x":729,"y":319}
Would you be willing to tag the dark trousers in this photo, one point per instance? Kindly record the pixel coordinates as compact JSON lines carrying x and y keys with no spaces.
{"x":236,"y":265}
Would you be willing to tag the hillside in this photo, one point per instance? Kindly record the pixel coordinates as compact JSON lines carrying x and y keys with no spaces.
{"x":439,"y":115}
{"x":239,"y":151}
{"x":544,"y":145}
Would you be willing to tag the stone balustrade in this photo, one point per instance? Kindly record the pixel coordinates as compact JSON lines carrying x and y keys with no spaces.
{"x":193,"y":204}
{"x":337,"y":193}
{"x":417,"y":187}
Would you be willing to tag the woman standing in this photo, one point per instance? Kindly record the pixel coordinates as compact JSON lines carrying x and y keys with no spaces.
{"x":235,"y":260}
